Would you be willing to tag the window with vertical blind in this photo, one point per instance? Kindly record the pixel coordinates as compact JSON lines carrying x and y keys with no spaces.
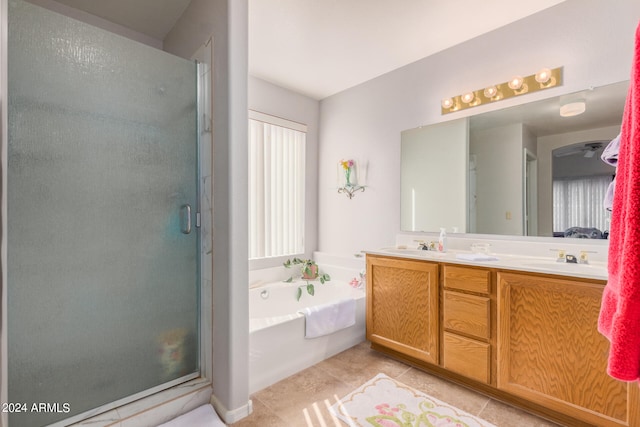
{"x":578,"y":202}
{"x":276,"y":186}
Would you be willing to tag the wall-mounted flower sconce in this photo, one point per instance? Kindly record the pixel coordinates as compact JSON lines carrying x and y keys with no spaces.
{"x":543,"y":79}
{"x":350,"y":179}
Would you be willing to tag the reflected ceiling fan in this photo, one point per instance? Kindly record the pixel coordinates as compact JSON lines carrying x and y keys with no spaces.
{"x":586,"y":149}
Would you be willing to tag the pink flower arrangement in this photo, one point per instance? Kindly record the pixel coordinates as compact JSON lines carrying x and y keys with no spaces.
{"x":346,"y":164}
{"x":358,"y":282}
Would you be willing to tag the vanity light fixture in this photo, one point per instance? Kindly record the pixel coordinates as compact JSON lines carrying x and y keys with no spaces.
{"x":545,"y":78}
{"x":574,"y":108}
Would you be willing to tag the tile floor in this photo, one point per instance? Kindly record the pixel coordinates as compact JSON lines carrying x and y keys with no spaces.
{"x":303,"y":399}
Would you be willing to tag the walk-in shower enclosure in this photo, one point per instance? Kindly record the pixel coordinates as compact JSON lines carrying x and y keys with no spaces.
{"x":101,"y":241}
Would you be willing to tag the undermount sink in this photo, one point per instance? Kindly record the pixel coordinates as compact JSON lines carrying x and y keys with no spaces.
{"x":405,"y":251}
{"x":564,"y":266}
{"x":415,"y":252}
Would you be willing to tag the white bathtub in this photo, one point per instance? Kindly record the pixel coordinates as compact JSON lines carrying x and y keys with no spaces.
{"x":277,"y":344}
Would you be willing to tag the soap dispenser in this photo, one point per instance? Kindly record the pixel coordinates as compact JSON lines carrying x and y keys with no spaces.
{"x":442,"y":240}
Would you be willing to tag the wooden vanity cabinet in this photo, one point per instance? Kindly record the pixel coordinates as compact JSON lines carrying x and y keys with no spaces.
{"x":402,"y":306}
{"x":467,"y":322}
{"x":526,"y":338}
{"x":550,"y":352}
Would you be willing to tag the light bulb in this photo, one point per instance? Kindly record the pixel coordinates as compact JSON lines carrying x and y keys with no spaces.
{"x":491,"y":91}
{"x":467,"y":97}
{"x":516,"y":83}
{"x":543,"y":76}
{"x":447,"y":103}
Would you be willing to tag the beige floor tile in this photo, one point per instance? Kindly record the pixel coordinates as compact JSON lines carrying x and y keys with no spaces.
{"x":301,"y":400}
{"x":261,"y":416}
{"x":359,"y":364}
{"x":445,"y":391}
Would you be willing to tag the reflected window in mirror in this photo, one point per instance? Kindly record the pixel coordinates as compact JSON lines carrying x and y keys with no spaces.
{"x":580,"y":183}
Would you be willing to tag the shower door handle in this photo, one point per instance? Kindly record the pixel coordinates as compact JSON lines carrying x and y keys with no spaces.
{"x":185,"y":212}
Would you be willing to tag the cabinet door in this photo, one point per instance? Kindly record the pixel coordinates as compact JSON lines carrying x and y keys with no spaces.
{"x":549,"y":349}
{"x":402,"y":306}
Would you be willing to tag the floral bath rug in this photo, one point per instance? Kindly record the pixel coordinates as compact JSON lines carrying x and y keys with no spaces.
{"x":385,"y":402}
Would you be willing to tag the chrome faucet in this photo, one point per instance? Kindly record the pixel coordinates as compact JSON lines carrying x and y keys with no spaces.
{"x":571,"y":259}
{"x":561,"y":256}
{"x":422,"y":245}
{"x":583,"y":258}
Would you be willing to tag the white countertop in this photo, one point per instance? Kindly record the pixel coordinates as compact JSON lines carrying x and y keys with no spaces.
{"x":535,"y":264}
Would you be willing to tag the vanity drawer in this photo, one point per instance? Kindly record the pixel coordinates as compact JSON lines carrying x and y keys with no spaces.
{"x":468,"y":314}
{"x":467,"y":279}
{"x":467,"y":357}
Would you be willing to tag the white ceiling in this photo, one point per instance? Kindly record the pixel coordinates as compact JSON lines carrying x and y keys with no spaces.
{"x":321,"y":47}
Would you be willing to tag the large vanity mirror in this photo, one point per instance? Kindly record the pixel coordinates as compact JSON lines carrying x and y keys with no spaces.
{"x":522,"y":170}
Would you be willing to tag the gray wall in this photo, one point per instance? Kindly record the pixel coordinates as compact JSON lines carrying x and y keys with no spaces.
{"x":226,"y":20}
{"x":577,"y":165}
{"x":499,"y":179}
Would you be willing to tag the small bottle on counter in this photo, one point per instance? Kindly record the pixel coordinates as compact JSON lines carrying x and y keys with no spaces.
{"x":442,"y":240}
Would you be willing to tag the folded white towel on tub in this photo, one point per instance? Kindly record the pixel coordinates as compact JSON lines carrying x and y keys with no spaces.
{"x":328,"y":318}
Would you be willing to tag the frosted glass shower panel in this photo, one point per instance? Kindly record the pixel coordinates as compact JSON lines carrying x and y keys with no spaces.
{"x":102,"y":282}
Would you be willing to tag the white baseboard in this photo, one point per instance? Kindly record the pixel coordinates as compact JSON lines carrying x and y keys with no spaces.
{"x":231,"y":416}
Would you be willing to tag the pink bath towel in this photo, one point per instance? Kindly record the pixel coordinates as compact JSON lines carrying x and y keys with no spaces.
{"x":620,"y":309}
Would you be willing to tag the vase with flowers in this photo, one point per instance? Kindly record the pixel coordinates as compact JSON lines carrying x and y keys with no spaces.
{"x":347,"y":166}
